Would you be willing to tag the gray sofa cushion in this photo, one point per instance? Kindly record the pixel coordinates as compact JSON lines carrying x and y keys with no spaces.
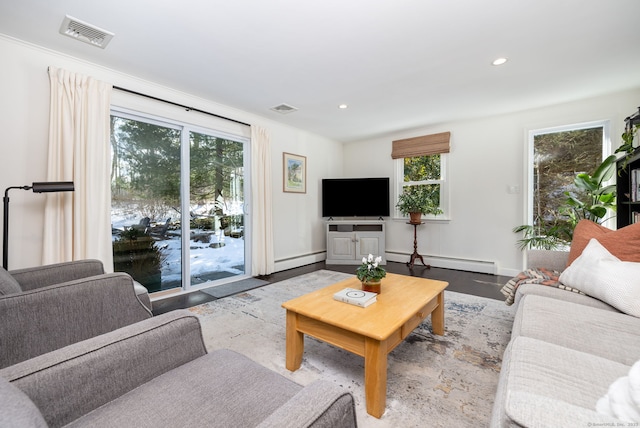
{"x":610,"y":335}
{"x":8,"y":285}
{"x":17,"y":409}
{"x":541,"y":381}
{"x":196,"y":393}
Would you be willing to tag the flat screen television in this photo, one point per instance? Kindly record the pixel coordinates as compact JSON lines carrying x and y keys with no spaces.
{"x":355,"y":197}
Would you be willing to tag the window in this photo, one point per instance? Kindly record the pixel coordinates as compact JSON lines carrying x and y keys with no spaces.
{"x":557,"y":156}
{"x":421,"y":163}
{"x":427,"y":172}
{"x":178,"y":196}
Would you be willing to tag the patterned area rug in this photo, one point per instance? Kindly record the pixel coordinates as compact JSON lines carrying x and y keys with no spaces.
{"x":434,"y":381}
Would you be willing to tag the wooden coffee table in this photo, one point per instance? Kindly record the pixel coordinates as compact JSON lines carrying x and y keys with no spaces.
{"x":370,"y":332}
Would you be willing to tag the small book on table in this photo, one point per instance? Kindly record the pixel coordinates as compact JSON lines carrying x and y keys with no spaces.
{"x":356,"y":297}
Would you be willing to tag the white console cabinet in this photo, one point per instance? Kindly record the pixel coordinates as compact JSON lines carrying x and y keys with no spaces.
{"x":348,"y":241}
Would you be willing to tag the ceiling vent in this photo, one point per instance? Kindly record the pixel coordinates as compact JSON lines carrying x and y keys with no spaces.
{"x":284,"y":108}
{"x":85,"y":32}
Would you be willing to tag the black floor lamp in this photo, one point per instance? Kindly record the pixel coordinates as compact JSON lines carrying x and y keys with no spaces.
{"x":42,"y":187}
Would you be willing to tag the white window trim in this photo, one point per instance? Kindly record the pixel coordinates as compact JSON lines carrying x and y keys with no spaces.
{"x":444,"y":190}
{"x":606,"y":151}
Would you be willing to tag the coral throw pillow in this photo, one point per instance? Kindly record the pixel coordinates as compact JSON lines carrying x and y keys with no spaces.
{"x":623,"y":243}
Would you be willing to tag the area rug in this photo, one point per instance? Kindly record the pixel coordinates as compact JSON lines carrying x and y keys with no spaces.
{"x":433,"y":381}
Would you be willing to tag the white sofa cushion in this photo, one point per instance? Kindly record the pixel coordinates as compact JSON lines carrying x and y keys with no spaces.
{"x":602,"y":275}
{"x":542,"y":384}
{"x":611,"y":335}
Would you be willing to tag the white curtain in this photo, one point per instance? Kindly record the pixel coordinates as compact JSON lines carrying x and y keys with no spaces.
{"x":260,"y":210}
{"x":78,"y":224}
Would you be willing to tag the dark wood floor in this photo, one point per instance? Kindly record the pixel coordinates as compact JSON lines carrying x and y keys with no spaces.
{"x":478,"y":284}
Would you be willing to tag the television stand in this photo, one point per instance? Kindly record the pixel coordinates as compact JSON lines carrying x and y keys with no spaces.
{"x":348,"y":241}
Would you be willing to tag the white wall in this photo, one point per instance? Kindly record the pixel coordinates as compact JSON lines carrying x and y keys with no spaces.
{"x":487,"y":156}
{"x":24,"y":117}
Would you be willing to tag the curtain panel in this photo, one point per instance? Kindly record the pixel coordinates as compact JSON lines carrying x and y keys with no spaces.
{"x":78,"y":224}
{"x":425,"y":145}
{"x":261,"y":210}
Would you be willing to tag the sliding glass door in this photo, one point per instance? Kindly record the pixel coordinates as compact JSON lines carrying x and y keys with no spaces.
{"x":163,"y":239}
{"x":216,"y":201}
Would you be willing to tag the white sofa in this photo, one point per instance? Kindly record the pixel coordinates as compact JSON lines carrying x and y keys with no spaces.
{"x":566,"y":350}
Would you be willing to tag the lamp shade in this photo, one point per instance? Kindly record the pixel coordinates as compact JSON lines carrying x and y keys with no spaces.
{"x":53,"y":186}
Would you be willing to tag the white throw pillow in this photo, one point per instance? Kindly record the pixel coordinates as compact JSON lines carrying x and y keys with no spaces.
{"x":602,"y":275}
{"x":622,"y":400}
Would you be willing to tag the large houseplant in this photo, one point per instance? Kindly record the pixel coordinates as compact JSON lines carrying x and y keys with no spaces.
{"x":418,"y":200}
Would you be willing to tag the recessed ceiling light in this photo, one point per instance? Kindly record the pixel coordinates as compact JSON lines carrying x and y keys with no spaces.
{"x":343,"y":106}
{"x":499,"y":61}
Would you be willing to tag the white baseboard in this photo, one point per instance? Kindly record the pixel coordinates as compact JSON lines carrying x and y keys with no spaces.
{"x":481,"y":266}
{"x":303,"y":260}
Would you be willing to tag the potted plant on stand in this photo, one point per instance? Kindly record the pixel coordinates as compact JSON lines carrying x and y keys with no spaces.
{"x":418,"y":200}
{"x":370,"y":273}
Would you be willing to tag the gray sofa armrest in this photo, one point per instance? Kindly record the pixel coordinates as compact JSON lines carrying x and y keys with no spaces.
{"x":42,"y":320}
{"x":549,"y":259}
{"x":73,"y":381}
{"x":42,"y":276}
{"x":320,"y":405}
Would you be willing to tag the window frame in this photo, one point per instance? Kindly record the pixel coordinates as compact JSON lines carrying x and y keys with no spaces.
{"x":444,"y":189}
{"x":605,"y":124}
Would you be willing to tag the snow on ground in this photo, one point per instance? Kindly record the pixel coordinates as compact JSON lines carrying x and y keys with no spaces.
{"x":227,"y":257}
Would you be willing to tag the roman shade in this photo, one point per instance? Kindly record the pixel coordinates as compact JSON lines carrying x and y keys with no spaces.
{"x":425,"y":145}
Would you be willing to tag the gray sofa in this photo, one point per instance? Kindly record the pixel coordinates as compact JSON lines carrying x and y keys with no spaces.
{"x":566,"y":350}
{"x":52,"y":306}
{"x":157,"y":373}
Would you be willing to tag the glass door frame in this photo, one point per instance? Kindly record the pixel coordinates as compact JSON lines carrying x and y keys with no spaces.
{"x":185,"y":130}
{"x":185,"y":185}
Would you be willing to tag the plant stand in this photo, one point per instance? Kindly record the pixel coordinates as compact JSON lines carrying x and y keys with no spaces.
{"x":415,"y":254}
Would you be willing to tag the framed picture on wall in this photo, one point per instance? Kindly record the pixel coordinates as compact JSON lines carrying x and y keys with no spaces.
{"x":294,"y":173}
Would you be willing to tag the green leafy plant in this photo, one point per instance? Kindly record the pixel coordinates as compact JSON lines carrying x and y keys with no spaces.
{"x":419,"y":199}
{"x":627,"y":143}
{"x":598,"y":199}
{"x":370,"y":269}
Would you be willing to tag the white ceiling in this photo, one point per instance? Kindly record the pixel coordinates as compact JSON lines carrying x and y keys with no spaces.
{"x":398,"y":64}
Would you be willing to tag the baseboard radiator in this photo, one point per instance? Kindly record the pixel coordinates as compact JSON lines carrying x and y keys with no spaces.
{"x":297,"y":261}
{"x":480,"y":266}
{"x":469,"y":265}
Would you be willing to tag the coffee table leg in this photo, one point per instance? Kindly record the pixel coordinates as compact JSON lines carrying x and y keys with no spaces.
{"x":295,"y":343}
{"x":375,"y":376}
{"x":437,"y":316}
